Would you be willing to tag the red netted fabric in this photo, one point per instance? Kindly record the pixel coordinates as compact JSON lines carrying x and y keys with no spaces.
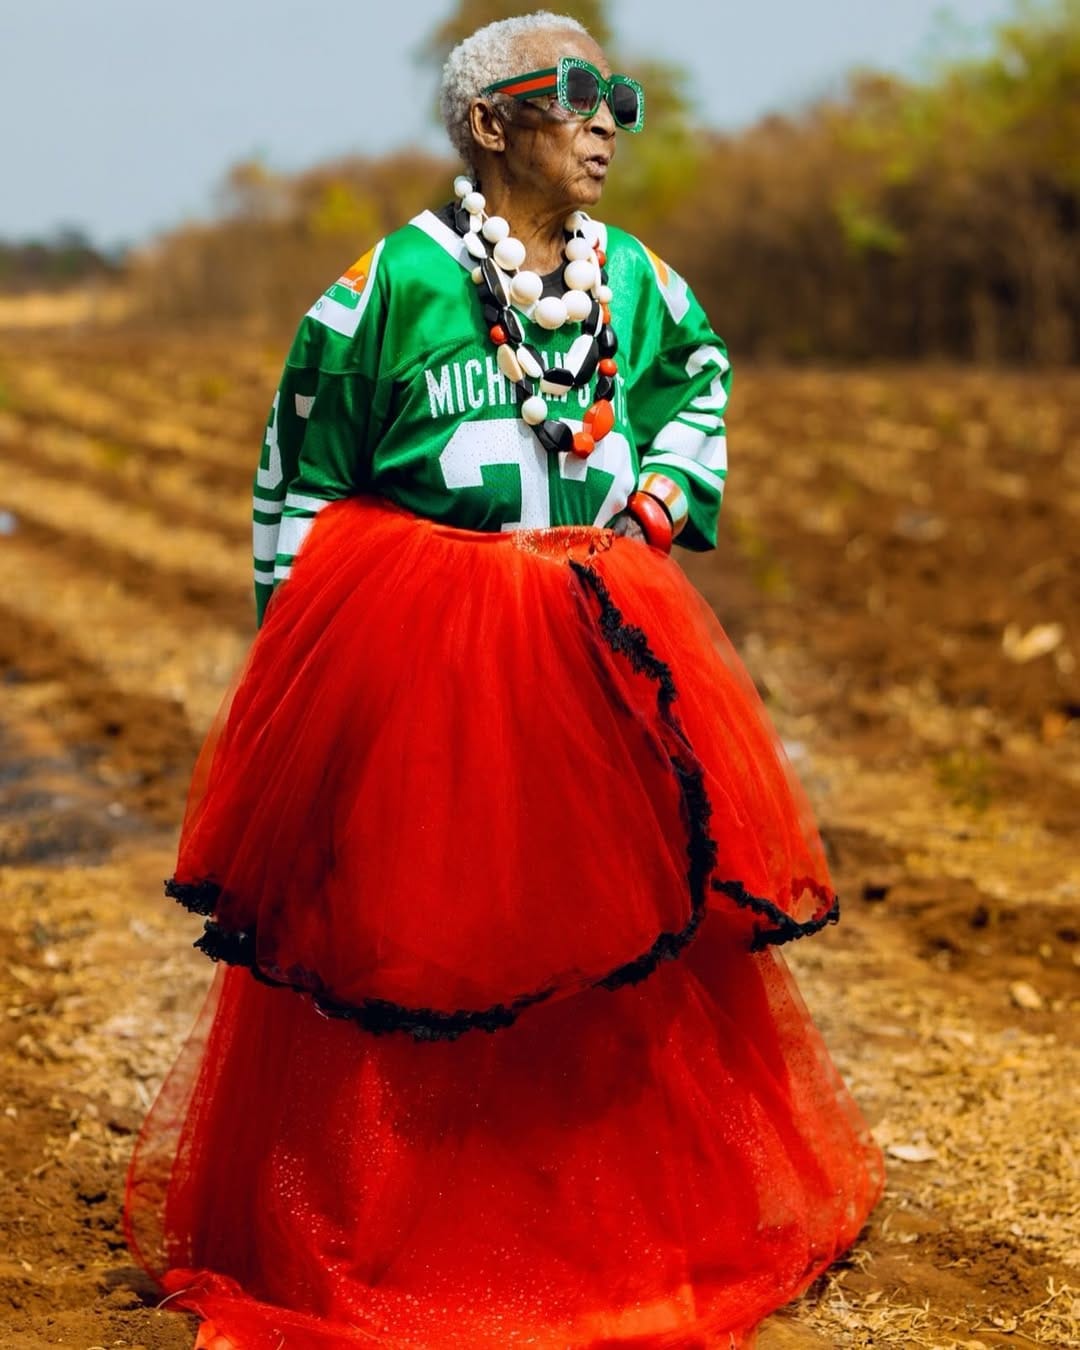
{"x":498,"y":836}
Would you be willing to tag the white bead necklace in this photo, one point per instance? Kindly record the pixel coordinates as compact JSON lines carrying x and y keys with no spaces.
{"x":501,"y":278}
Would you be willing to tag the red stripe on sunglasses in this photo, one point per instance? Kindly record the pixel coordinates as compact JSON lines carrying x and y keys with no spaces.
{"x":544,"y":84}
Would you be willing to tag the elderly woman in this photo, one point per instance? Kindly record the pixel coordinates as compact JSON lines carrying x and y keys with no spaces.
{"x":493,"y":837}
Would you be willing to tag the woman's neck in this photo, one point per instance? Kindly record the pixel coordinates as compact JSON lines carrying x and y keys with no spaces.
{"x":537,"y":225}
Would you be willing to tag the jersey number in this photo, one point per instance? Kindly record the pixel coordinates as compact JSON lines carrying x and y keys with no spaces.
{"x":476,"y":445}
{"x":272,"y":475}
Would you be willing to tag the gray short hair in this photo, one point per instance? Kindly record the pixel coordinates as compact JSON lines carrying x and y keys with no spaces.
{"x":489,"y":55}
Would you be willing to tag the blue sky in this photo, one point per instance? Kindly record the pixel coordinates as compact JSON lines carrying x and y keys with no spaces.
{"x":120,"y":116}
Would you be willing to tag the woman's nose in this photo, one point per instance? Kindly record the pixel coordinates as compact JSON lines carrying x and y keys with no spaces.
{"x":602,"y":123}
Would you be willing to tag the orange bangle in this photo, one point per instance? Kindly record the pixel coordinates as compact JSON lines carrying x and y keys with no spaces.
{"x":651,"y":514}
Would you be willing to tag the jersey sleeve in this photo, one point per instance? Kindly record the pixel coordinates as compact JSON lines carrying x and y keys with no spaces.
{"x":316,"y":447}
{"x":677,"y":405}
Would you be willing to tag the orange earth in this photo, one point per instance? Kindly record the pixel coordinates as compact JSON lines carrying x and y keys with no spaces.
{"x":900,"y":567}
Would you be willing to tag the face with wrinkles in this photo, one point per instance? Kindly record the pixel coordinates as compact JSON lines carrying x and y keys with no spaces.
{"x":546,"y":152}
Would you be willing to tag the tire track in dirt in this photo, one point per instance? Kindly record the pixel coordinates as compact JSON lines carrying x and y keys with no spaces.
{"x":137,"y":551}
{"x":211,"y":403}
{"x":209,"y":474}
{"x":143,"y":644}
{"x":79,"y":724}
{"x":150,"y":368}
{"x":165,"y":445}
{"x":127,"y":403}
{"x":192,"y":600}
{"x":118,"y":474}
{"x":242,"y":372}
{"x":130,"y":690}
{"x":58,"y":402}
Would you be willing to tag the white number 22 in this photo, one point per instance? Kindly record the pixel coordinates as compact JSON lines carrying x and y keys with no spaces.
{"x":476,"y":445}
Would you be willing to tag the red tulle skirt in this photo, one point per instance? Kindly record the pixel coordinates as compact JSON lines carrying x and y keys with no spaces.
{"x":499,"y":845}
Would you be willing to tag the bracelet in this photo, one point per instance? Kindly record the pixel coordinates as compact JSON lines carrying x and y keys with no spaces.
{"x":652,"y":516}
{"x":669,"y":494}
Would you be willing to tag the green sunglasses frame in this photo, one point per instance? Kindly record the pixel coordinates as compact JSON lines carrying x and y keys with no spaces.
{"x":554,"y":80}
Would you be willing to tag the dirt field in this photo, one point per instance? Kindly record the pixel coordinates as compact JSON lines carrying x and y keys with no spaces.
{"x":900,"y":566}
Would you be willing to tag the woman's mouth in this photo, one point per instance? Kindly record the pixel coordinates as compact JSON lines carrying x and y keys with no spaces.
{"x":596,"y":166}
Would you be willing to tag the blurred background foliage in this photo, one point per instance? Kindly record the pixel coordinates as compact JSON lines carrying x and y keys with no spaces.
{"x":65,"y":257}
{"x":937,"y":219}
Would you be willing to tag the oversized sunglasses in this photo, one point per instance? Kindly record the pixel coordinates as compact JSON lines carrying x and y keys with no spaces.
{"x":579,"y":88}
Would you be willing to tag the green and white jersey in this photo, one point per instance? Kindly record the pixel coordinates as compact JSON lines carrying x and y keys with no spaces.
{"x":391,"y":387}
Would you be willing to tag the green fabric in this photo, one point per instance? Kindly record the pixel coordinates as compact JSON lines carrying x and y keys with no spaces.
{"x":391,"y":387}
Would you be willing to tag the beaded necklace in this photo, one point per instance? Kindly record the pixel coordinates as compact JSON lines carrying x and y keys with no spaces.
{"x":501,"y":278}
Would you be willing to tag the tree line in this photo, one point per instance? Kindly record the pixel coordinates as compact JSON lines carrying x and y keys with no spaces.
{"x":64,"y":258}
{"x":900,"y":219}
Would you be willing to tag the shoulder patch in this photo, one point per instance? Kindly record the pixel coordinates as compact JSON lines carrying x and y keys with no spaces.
{"x":342,"y":306}
{"x":675,"y":291}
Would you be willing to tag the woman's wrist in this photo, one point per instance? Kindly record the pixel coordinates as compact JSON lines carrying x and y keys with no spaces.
{"x":667,"y":491}
{"x":653,"y":517}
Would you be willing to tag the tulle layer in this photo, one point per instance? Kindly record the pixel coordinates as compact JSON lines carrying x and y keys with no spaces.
{"x":462,"y":774}
{"x":657,"y":1166}
{"x":516,"y":784}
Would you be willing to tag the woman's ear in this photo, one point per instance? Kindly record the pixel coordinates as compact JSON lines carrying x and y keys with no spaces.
{"x":488,"y":129}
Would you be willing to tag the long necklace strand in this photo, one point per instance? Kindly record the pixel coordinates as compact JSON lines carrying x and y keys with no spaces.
{"x":502,"y":279}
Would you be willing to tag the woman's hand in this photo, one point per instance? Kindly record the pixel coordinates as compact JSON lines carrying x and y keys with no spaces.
{"x":627,"y":525}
